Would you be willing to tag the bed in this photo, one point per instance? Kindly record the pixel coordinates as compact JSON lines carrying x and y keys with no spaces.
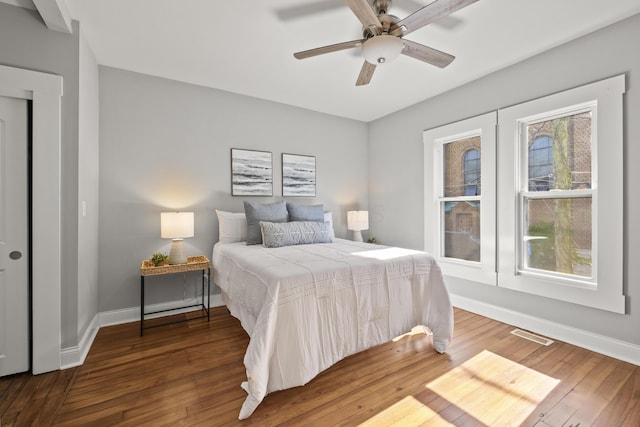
{"x":305,"y":307}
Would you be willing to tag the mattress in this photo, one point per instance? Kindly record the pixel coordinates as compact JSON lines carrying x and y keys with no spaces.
{"x":306,"y":307}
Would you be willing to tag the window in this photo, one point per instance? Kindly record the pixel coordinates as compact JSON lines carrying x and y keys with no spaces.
{"x":560,"y":196}
{"x":536,"y":208}
{"x":460,"y":212}
{"x":461,"y":231}
{"x":556,"y":234}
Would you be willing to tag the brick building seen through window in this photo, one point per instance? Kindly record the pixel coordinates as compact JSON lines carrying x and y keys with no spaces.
{"x":462,"y":173}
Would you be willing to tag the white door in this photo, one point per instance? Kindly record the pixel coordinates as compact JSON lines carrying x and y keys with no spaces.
{"x":14,"y":242}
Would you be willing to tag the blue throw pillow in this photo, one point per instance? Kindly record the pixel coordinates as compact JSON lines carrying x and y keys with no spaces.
{"x":305,"y":212}
{"x":256,"y":212}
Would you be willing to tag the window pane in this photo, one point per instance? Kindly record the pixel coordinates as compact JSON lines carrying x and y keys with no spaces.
{"x":541,"y":164}
{"x":558,"y":236}
{"x":471,"y":168}
{"x":462,"y":167}
{"x":559,"y":153}
{"x":462,"y":230}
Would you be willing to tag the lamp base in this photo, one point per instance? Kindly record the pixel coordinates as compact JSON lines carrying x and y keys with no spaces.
{"x":177,"y":255}
{"x":357,"y":236}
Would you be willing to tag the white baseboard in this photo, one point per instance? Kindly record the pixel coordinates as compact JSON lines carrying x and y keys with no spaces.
{"x":621,"y":350}
{"x":71,"y":357}
{"x":132,"y":314}
{"x":74,"y":356}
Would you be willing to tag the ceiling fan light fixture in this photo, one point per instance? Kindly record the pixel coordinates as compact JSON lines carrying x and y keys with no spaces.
{"x":381,"y":49}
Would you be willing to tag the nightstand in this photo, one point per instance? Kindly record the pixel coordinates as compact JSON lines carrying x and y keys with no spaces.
{"x":194,"y":263}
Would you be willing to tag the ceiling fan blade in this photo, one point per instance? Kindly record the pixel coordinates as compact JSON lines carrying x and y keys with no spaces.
{"x":364,"y":13}
{"x":427,"y":54}
{"x":327,"y":49}
{"x":365,"y":74}
{"x":430,"y":13}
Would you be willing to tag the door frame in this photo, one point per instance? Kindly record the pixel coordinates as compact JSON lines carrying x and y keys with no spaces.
{"x":45,"y":91}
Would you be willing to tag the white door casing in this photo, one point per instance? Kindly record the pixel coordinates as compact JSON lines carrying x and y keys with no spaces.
{"x":45,"y":90}
{"x":14,"y":241}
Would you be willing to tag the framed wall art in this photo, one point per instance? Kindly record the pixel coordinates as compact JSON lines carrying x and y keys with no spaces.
{"x":298,"y":175}
{"x":251,"y":173}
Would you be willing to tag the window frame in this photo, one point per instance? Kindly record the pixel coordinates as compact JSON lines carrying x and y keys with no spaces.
{"x":605,"y":290}
{"x":434,"y":140}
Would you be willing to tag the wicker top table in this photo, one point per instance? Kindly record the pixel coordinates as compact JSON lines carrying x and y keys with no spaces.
{"x":194,"y":263}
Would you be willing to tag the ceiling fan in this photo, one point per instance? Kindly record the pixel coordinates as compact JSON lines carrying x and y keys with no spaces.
{"x":383,"y":35}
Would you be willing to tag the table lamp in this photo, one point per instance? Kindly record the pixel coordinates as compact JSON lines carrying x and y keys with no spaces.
{"x":176,"y":226}
{"x":357,"y":221}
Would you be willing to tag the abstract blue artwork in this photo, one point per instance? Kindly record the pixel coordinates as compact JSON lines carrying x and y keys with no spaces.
{"x":251,"y":173}
{"x":298,"y":175}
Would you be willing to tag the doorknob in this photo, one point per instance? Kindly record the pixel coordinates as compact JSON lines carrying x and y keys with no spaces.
{"x":15,"y":255}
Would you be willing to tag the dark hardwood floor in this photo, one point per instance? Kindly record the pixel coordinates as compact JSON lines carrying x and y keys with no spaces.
{"x":190,"y":373}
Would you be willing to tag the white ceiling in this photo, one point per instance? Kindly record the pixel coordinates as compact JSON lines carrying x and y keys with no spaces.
{"x":247,"y":47}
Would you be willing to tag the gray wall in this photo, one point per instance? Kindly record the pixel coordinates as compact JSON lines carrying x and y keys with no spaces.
{"x":88,"y":187}
{"x":25,"y":42}
{"x":396,"y":190}
{"x":165,"y":145}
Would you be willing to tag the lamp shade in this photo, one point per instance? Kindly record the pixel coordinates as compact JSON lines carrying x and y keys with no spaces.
{"x":358,"y":220}
{"x":176,"y":225}
{"x":381,"y":49}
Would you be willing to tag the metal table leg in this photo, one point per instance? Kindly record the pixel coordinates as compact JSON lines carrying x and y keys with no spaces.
{"x":141,"y":305}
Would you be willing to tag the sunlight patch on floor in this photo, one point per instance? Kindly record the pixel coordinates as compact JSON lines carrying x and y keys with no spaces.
{"x":387,"y":253}
{"x":416,"y":330}
{"x":490,"y":389}
{"x":494,"y":390}
{"x":407,"y":412}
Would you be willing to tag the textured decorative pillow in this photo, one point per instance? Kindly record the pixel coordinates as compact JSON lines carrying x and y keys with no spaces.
{"x":305,"y":212}
{"x":294,"y":233}
{"x":256,"y":212}
{"x":328,"y":217}
{"x":232,"y":227}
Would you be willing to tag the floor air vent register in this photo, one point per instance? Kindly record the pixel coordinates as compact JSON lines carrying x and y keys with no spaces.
{"x":532,"y":337}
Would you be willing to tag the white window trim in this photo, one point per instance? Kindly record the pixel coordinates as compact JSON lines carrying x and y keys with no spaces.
{"x":434,"y":140}
{"x":607,"y":198}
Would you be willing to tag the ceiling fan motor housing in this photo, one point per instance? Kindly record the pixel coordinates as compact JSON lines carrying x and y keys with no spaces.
{"x":388,"y":26}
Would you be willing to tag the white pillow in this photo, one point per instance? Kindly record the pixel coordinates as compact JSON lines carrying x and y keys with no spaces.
{"x":328,"y":217}
{"x":232,"y":227}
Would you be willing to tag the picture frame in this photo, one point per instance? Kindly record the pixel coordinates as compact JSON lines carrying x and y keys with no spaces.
{"x":298,"y":175}
{"x":251,"y":172}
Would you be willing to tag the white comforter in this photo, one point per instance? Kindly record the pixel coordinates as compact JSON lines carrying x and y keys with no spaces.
{"x":306,"y":307}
